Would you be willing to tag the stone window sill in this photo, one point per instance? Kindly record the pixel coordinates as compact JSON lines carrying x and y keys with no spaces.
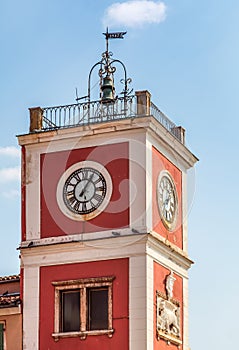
{"x":82,"y":335}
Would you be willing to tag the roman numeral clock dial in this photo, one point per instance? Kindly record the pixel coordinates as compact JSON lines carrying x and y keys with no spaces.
{"x":167,"y":200}
{"x":84,"y":190}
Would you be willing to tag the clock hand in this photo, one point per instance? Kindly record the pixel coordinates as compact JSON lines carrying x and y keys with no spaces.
{"x":85,"y":187}
{"x":167,"y":200}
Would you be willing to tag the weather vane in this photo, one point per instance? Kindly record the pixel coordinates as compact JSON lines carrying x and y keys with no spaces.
{"x":115,"y":35}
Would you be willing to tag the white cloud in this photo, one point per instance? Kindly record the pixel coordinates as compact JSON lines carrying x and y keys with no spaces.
{"x":10,"y":174}
{"x":134,"y":13}
{"x":10,"y":151}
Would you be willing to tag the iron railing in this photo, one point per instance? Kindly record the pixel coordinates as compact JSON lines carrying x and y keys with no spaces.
{"x":88,"y":113}
{"x":97,"y":112}
{"x":165,"y":121}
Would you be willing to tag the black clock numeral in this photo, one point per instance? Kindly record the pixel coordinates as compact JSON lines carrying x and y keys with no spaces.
{"x":92,"y":204}
{"x":70,"y":193}
{"x":96,"y":181}
{"x":76,"y":205}
{"x":70,"y":187}
{"x":84,"y":173}
{"x":84,"y":207}
{"x":71,"y":200}
{"x":99,"y":189}
{"x":98,"y":197}
{"x":76,"y":176}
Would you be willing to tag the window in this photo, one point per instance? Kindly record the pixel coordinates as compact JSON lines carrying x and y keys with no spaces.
{"x":2,"y":335}
{"x":83,"y":307}
{"x":97,"y":308}
{"x":70,"y":311}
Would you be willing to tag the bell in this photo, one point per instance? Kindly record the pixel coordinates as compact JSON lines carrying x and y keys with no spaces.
{"x":107,"y":89}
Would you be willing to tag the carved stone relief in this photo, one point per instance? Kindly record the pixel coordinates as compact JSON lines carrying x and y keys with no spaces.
{"x":168,"y":314}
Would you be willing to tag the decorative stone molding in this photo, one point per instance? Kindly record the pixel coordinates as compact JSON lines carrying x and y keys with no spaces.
{"x":81,"y":286}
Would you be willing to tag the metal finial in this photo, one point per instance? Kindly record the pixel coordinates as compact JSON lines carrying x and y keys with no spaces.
{"x":106,"y":72}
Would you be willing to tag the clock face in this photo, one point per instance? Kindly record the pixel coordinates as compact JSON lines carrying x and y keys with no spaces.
{"x":84,"y":190}
{"x":167,"y":200}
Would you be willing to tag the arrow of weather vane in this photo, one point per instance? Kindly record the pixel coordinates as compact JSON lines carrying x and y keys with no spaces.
{"x":115,"y":35}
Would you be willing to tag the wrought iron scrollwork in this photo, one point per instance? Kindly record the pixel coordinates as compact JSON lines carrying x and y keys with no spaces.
{"x":107,"y":68}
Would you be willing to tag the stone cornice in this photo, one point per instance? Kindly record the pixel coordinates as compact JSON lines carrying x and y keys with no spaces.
{"x":151,"y":244}
{"x":169,"y":250}
{"x":148,"y":123}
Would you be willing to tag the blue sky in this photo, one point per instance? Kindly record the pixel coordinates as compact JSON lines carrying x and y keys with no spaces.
{"x":186,"y":54}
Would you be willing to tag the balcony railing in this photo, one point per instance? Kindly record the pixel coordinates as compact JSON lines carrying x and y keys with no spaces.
{"x":166,"y":122}
{"x":87,"y":113}
{"x":78,"y":114}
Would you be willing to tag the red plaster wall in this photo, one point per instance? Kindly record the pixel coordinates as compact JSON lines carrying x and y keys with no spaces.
{"x":115,"y":158}
{"x":118,"y":268}
{"x":160,"y":274}
{"x":159,"y":163}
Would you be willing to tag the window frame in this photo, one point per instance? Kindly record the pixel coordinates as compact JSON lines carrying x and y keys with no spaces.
{"x":3,"y":323}
{"x":82,"y":285}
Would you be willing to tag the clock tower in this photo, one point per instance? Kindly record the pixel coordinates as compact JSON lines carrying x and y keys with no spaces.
{"x":104,"y":261}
